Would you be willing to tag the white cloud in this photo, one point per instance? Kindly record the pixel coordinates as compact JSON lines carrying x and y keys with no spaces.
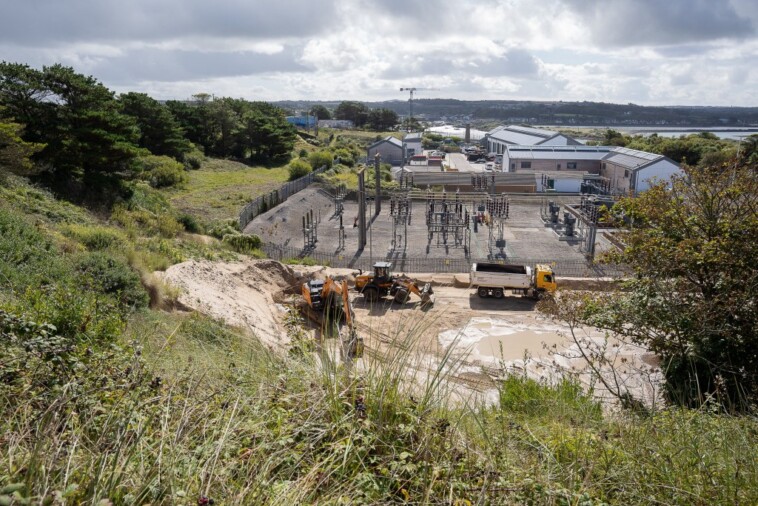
{"x":645,"y":51}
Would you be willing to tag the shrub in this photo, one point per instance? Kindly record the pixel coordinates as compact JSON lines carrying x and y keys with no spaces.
{"x":242,"y":243}
{"x":95,"y":238}
{"x":223,"y":228}
{"x":345,"y":156}
{"x":190,"y":223}
{"x":298,"y":168}
{"x":193,"y":160}
{"x":320,"y":158}
{"x":103,"y":273}
{"x":162,"y":171}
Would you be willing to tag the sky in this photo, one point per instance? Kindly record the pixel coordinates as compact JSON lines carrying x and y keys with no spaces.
{"x":648,"y":52}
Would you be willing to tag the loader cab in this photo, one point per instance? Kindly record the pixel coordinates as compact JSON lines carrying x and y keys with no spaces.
{"x":382,"y":272}
{"x":544,"y":278}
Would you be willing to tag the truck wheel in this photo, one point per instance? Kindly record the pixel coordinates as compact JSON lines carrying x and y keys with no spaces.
{"x":370,"y":294}
{"x":401,"y":296}
{"x":482,"y":292}
{"x":497,"y":293}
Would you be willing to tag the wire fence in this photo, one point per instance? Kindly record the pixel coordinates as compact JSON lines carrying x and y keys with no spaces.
{"x":565,"y":268}
{"x":275,"y":197}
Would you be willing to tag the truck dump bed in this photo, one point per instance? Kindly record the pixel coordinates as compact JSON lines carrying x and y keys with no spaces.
{"x":501,"y":276}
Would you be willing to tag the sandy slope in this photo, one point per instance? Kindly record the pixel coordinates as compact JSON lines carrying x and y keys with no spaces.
{"x":242,"y":294}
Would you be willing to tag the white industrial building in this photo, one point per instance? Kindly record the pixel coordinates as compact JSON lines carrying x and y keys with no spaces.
{"x":623,"y":170}
{"x":499,"y":138}
{"x":412,"y":144}
{"x":630,"y":170}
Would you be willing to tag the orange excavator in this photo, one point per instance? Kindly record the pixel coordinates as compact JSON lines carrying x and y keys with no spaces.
{"x":330,"y":302}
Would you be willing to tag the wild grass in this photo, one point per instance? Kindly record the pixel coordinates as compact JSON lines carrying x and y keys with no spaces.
{"x":106,"y":402}
{"x":220,"y":188}
{"x":196,"y":409}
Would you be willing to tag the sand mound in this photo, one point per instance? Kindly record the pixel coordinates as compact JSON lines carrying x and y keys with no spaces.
{"x":242,"y":294}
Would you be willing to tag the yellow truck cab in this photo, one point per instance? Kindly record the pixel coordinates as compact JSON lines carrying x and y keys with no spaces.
{"x":544,"y":279}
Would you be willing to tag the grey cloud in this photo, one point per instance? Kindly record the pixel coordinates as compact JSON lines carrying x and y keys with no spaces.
{"x":46,"y":22}
{"x":655,"y":22}
{"x":158,"y":65}
{"x":514,"y":63}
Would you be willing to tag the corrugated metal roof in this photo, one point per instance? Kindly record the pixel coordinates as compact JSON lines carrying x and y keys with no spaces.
{"x":392,"y":140}
{"x":521,"y":135}
{"x":557,"y":152}
{"x":631,"y":158}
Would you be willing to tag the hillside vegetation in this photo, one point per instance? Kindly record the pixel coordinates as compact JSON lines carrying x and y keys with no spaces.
{"x":112,"y":394}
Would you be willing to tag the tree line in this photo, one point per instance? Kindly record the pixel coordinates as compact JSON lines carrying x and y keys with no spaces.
{"x":78,"y":132}
{"x":379,"y":119}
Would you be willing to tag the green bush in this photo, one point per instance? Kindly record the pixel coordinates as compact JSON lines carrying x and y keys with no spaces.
{"x":298,"y":168}
{"x":95,"y":238}
{"x":321,"y":158}
{"x":224,"y":227}
{"x":190,"y":223}
{"x":242,"y":243}
{"x":345,"y":156}
{"x":103,"y":273}
{"x":193,"y":160}
{"x":162,"y":171}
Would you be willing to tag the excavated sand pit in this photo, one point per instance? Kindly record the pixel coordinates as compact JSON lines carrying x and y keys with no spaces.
{"x":484,"y":337}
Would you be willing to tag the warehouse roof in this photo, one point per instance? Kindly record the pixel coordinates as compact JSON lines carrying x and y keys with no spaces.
{"x":392,"y":140}
{"x":521,"y":135}
{"x":632,"y":158}
{"x":557,"y":152}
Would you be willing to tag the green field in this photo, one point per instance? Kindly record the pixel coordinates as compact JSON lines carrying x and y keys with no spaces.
{"x":220,"y":188}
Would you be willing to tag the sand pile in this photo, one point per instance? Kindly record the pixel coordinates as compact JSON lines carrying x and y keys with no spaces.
{"x":243,"y":294}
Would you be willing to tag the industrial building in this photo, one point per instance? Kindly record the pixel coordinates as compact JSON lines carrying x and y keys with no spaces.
{"x":623,"y":170}
{"x":390,"y":148}
{"x":500,"y":137}
{"x":412,"y":142}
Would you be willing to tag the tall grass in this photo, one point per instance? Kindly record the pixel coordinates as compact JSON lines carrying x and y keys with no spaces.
{"x":109,"y":404}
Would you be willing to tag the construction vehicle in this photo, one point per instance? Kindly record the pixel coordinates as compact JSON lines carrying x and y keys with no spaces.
{"x":383,"y":283}
{"x":329,"y":303}
{"x":493,"y":280}
{"x":326,"y":296}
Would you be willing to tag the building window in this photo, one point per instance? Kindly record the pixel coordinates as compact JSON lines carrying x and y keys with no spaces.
{"x":626,"y":174}
{"x":513,"y":167}
{"x":559,"y":166}
{"x":571,"y":165}
{"x":526,"y":165}
{"x":603,"y":166}
{"x":551,"y":184}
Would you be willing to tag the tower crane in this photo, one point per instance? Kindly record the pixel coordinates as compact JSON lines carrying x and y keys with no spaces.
{"x":411,"y":91}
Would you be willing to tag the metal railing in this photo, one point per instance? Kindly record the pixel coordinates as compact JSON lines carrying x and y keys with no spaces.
{"x":564,"y":268}
{"x":275,"y":197}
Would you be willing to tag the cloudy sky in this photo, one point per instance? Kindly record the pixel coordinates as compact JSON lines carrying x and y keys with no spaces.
{"x":667,"y":52}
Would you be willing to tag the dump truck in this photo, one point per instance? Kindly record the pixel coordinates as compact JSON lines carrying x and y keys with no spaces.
{"x":494,"y":280}
{"x":383,"y":283}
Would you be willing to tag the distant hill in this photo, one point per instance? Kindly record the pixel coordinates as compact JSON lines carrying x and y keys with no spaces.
{"x":560,"y":113}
